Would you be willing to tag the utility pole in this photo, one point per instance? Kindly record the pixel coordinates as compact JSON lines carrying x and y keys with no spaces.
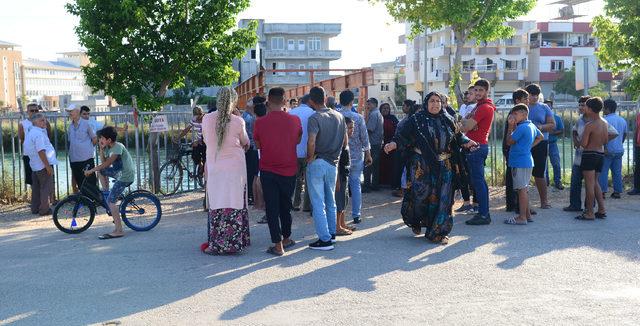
{"x":425,"y":75}
{"x":585,"y":91}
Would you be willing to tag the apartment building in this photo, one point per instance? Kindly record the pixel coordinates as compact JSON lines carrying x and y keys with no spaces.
{"x":11,"y":85}
{"x":385,"y":77}
{"x":555,"y":47}
{"x":289,"y":46}
{"x":51,"y":79}
{"x":503,"y":62}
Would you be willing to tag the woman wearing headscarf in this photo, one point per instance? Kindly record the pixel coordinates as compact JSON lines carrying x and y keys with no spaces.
{"x":226,"y":176}
{"x":390,"y":123}
{"x":430,"y":138}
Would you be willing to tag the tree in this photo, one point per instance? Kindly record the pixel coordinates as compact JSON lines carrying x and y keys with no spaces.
{"x":400,"y":92}
{"x":566,"y":84}
{"x":617,"y":31}
{"x":144,"y":47}
{"x":186,"y":93}
{"x":481,"y":20}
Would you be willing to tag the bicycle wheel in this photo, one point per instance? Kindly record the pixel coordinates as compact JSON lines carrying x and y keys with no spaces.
{"x":141,"y":210}
{"x":200,"y":176}
{"x":170,"y":177}
{"x":74,"y":214}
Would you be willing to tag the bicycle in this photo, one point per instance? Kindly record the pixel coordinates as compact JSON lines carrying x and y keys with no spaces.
{"x":140,"y":210}
{"x":172,"y":171}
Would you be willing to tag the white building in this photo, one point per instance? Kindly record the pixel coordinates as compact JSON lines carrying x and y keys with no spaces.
{"x":51,"y":78}
{"x":385,"y":75}
{"x":289,"y":46}
{"x":503,"y":62}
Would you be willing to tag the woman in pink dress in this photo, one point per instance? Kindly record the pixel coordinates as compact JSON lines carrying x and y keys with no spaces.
{"x":226,"y":176}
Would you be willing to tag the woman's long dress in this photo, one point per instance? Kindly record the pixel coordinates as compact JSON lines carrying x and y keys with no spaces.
{"x":428,"y":139}
{"x":226,"y":185}
{"x":387,"y":160}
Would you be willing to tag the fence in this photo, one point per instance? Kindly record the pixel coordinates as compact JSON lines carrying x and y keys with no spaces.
{"x":11,"y":169}
{"x":11,"y":164}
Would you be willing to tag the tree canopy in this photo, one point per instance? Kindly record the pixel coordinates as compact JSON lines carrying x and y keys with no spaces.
{"x":144,"y":47}
{"x":481,"y":20}
{"x":566,"y":84}
{"x":618,"y":31}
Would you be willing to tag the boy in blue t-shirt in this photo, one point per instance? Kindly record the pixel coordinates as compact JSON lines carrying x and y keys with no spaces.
{"x":522,"y":135}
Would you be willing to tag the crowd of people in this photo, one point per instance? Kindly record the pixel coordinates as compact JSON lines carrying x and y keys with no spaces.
{"x":318,"y":153}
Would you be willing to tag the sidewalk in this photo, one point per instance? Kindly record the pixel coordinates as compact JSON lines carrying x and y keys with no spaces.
{"x":554,"y":271}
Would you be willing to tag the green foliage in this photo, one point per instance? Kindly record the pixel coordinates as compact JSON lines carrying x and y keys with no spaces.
{"x":481,"y":20}
{"x":456,"y":77}
{"x":618,"y":32}
{"x":566,"y":84}
{"x":400,"y":92}
{"x":144,"y":47}
{"x":184,"y":94}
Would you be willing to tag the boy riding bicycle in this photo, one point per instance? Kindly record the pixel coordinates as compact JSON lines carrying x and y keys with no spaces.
{"x":117,"y":164}
{"x":197,"y":143}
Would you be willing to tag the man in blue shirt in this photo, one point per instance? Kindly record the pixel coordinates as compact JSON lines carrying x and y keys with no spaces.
{"x":614,"y":150}
{"x":521,"y":136}
{"x":542,"y":117}
{"x":303,"y":112}
{"x":251,"y":155}
{"x":554,"y":153}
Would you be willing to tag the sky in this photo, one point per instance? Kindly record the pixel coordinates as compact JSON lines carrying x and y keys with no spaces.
{"x":369,"y":34}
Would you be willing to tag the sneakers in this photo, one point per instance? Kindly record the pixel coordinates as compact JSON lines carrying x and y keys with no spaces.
{"x":464,"y":208}
{"x":321,"y":245}
{"x":479,"y":220}
{"x":572,"y":209}
{"x":333,"y":238}
{"x":559,"y":187}
{"x":615,"y":195}
{"x":356,"y":220}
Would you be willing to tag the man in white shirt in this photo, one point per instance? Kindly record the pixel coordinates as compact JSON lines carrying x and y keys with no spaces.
{"x":469,"y":103}
{"x":42,"y":157}
{"x":303,"y":112}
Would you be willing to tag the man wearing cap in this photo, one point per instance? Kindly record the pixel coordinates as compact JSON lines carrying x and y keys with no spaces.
{"x":82,"y":141}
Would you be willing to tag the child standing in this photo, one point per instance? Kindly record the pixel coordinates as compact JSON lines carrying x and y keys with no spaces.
{"x":522,"y":136}
{"x":342,"y":184}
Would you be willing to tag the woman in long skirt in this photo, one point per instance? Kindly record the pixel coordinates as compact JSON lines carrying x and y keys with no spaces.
{"x":431,"y":138}
{"x":226,"y":174}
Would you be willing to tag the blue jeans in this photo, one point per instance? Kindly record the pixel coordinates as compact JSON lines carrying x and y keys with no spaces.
{"x":476,"y":161}
{"x":613,"y":161}
{"x":321,"y":181}
{"x":355,"y":172}
{"x":554,"y":157}
{"x":575,"y":192}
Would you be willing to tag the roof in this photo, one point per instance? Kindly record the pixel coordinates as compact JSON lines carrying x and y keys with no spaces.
{"x":7,"y":44}
{"x":48,"y":64}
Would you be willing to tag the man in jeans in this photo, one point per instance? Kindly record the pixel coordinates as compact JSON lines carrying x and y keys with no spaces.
{"x":614,"y":151}
{"x":359,"y":149}
{"x":251,"y":155}
{"x":276,"y":136}
{"x":375,"y":129}
{"x":554,"y":152}
{"x":636,"y":159}
{"x":477,"y":127}
{"x":327,"y":136}
{"x":541,"y":116}
{"x":303,"y":112}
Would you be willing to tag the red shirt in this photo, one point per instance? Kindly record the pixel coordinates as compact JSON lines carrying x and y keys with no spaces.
{"x":483,"y":115}
{"x":278,"y":134}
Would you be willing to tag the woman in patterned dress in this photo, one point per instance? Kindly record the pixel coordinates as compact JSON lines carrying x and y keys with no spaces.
{"x":226,"y":176}
{"x":430,"y":138}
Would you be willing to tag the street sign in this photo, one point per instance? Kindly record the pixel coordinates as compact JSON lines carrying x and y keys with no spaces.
{"x":159,"y":124}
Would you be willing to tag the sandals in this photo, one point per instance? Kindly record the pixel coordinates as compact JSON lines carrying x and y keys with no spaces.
{"x":547,"y":206}
{"x":273,"y":251}
{"x":340,"y":233}
{"x":108,"y":236}
{"x":601,"y":216}
{"x":351,"y":228}
{"x":514,"y":221}
{"x":416,"y":230}
{"x":289,"y":245}
{"x":263,"y":220}
{"x":584,"y":217}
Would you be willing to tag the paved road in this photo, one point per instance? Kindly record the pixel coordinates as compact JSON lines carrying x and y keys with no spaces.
{"x":554,"y":271}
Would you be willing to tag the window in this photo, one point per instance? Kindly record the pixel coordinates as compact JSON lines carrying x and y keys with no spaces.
{"x":431,"y":64}
{"x":384,"y":87}
{"x":301,"y":73}
{"x":469,"y":65}
{"x":253,"y":54}
{"x":281,"y":65}
{"x":316,"y":65}
{"x":314,"y":43}
{"x":291,"y":45}
{"x":301,"y":44}
{"x":557,"y":65}
{"x":291,"y":67}
{"x":511,"y":65}
{"x":277,"y":43}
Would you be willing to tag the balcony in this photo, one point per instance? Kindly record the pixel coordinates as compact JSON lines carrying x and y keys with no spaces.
{"x":318,"y":28}
{"x":310,"y":54}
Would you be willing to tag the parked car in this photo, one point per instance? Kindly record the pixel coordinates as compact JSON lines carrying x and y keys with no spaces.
{"x":504,"y":103}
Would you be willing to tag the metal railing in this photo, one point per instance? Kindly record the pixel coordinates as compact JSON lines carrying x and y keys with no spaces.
{"x":11,"y":163}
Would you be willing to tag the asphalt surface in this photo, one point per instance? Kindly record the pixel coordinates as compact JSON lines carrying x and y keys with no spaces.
{"x":554,"y":271}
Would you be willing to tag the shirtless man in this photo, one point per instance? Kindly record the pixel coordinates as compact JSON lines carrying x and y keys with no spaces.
{"x":593,"y":140}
